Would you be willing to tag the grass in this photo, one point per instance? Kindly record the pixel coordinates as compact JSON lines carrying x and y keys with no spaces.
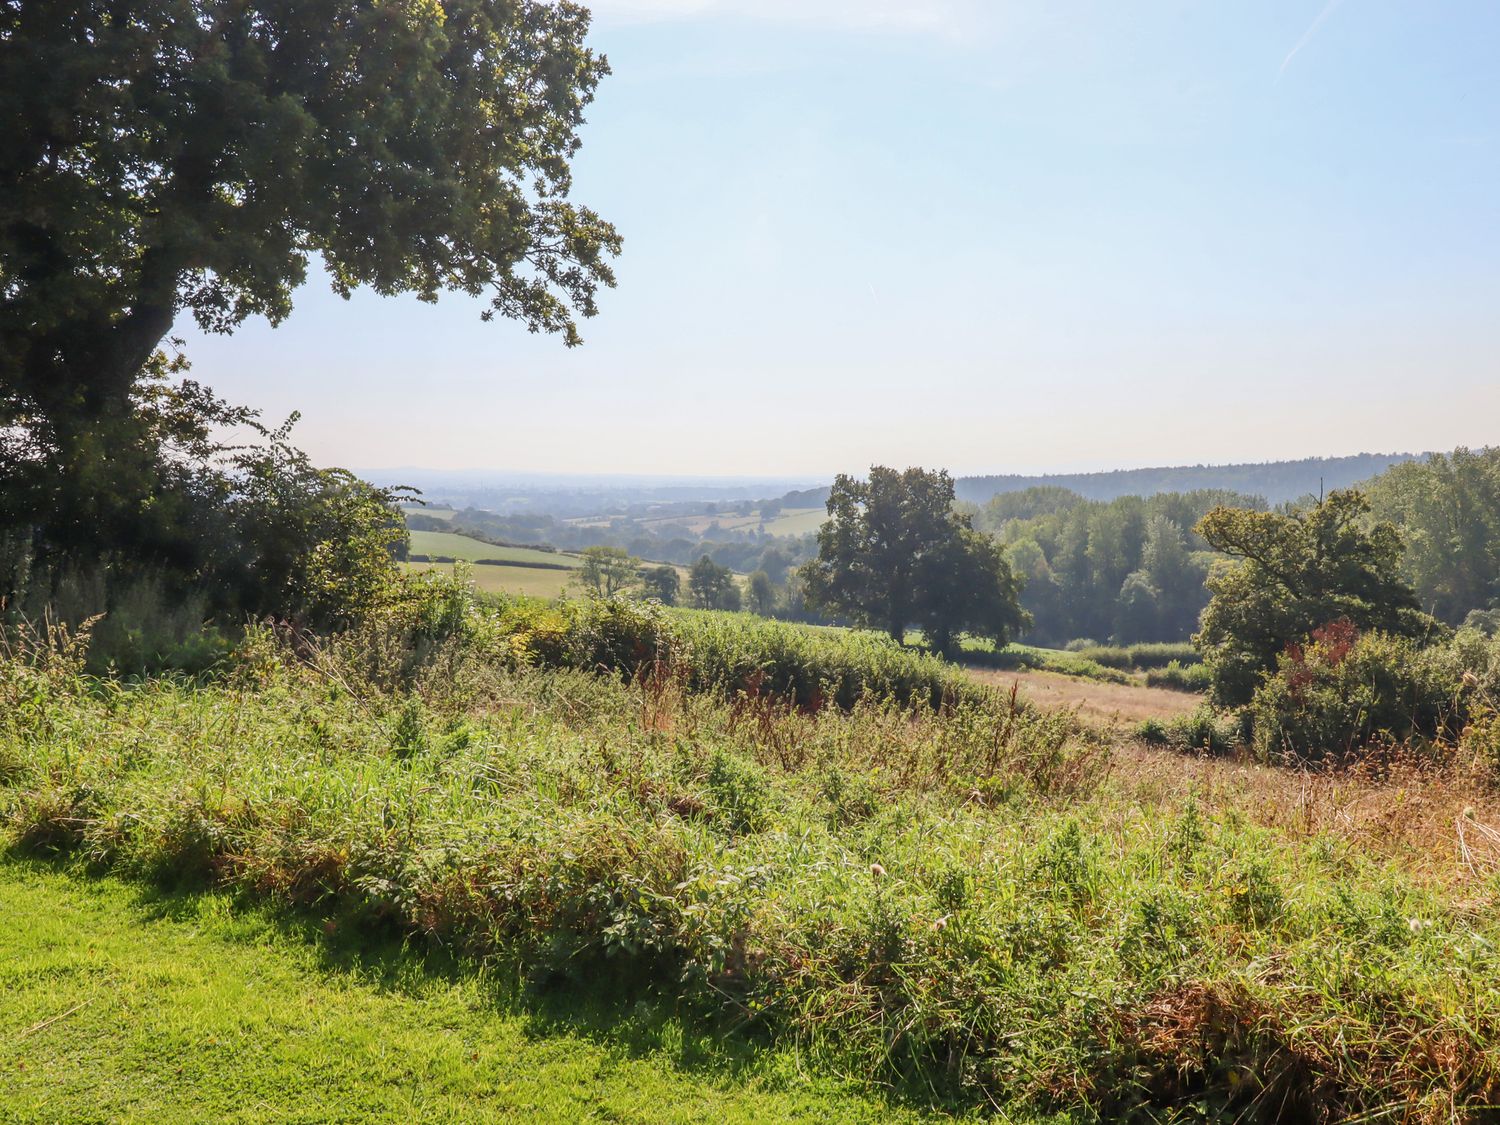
{"x":1140,"y":656}
{"x":520,"y":581}
{"x":976,"y":906}
{"x":123,"y":1004}
{"x":447,"y":544}
{"x":1095,"y":701}
{"x":435,"y":513}
{"x":797,"y":521}
{"x":1016,"y":656}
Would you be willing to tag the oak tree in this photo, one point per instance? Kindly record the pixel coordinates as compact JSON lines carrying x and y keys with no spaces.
{"x":894,"y":553}
{"x":171,"y":156}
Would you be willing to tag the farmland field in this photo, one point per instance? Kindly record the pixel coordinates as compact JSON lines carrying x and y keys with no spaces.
{"x":534,"y":582}
{"x":455,"y":546}
{"x":435,"y":513}
{"x":797,"y":521}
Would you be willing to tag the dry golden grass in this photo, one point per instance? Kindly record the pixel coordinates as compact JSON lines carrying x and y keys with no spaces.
{"x":1102,"y":704}
{"x":1439,"y":822}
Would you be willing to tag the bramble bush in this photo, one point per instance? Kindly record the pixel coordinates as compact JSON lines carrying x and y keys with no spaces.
{"x":1345,"y":691}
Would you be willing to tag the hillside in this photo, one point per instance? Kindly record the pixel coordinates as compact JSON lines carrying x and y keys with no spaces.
{"x":1275,"y":481}
{"x":435,"y":544}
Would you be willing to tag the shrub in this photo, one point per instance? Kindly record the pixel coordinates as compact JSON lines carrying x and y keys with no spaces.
{"x":1204,"y":731}
{"x":1143,"y":656}
{"x":1345,"y":690}
{"x":1046,"y":660}
{"x":1179,"y":677}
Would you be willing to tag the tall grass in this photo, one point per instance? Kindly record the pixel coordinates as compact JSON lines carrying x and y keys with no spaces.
{"x":1142,"y":656}
{"x":962,"y":901}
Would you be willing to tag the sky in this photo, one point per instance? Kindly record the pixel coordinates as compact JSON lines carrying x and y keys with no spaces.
{"x":989,"y":237}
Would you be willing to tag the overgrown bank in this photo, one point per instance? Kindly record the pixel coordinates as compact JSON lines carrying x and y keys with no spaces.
{"x":965,"y":903}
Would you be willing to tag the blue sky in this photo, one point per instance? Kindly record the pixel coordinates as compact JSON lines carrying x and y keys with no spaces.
{"x":984,"y":236}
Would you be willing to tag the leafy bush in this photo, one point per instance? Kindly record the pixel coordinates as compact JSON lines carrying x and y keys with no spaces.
{"x":1344,"y":690}
{"x":1178,"y":677}
{"x":813,"y":667}
{"x":1204,"y":731}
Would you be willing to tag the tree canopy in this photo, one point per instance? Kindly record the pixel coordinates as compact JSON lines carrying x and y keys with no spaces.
{"x":197,"y":155}
{"x":894,"y":553}
{"x":1295,"y":573}
{"x":608,"y":570}
{"x":1448,"y":510}
{"x":712,"y":586}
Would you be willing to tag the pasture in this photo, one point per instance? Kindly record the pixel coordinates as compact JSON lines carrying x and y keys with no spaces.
{"x":527,"y":581}
{"x":1099,"y":702}
{"x":796,"y":521}
{"x":451,"y":545}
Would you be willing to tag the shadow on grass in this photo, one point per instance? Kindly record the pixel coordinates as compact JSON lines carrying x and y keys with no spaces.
{"x":612,"y":1005}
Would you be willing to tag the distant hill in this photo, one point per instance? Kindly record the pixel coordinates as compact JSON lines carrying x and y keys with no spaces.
{"x":1276,"y":481}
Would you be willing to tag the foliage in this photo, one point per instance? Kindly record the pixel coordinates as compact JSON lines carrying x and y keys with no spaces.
{"x":962,"y":904}
{"x":760,"y":593}
{"x":192,"y":156}
{"x":187,"y":521}
{"x":662,"y":583}
{"x":894,"y":553}
{"x":1342,"y":691}
{"x":607,"y":570}
{"x":711,"y":586}
{"x":1181,"y":677}
{"x":1131,"y":569}
{"x":1448,"y":510}
{"x":1151,"y":655}
{"x":1042,"y":659}
{"x":1202,"y":732}
{"x":1294,"y":573}
{"x":1270,"y":482}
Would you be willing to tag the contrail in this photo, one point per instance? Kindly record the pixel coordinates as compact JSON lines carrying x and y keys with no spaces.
{"x":1307,"y":36}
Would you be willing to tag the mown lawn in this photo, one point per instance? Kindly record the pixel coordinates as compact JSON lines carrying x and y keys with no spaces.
{"x":128,"y":1005}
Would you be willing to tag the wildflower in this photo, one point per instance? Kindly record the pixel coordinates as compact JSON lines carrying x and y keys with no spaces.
{"x":941,"y":924}
{"x":876,"y":870}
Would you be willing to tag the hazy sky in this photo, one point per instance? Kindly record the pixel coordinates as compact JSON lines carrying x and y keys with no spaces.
{"x":1004,"y":236}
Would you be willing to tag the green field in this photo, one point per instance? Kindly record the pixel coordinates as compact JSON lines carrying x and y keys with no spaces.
{"x":534,"y":582}
{"x":455,"y":546}
{"x":435,"y":513}
{"x":123,"y":1004}
{"x":797,"y":521}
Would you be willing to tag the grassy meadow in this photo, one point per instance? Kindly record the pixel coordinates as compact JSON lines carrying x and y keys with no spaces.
{"x":967,"y":903}
{"x":520,"y":581}
{"x":796,"y":521}
{"x":450,"y":545}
